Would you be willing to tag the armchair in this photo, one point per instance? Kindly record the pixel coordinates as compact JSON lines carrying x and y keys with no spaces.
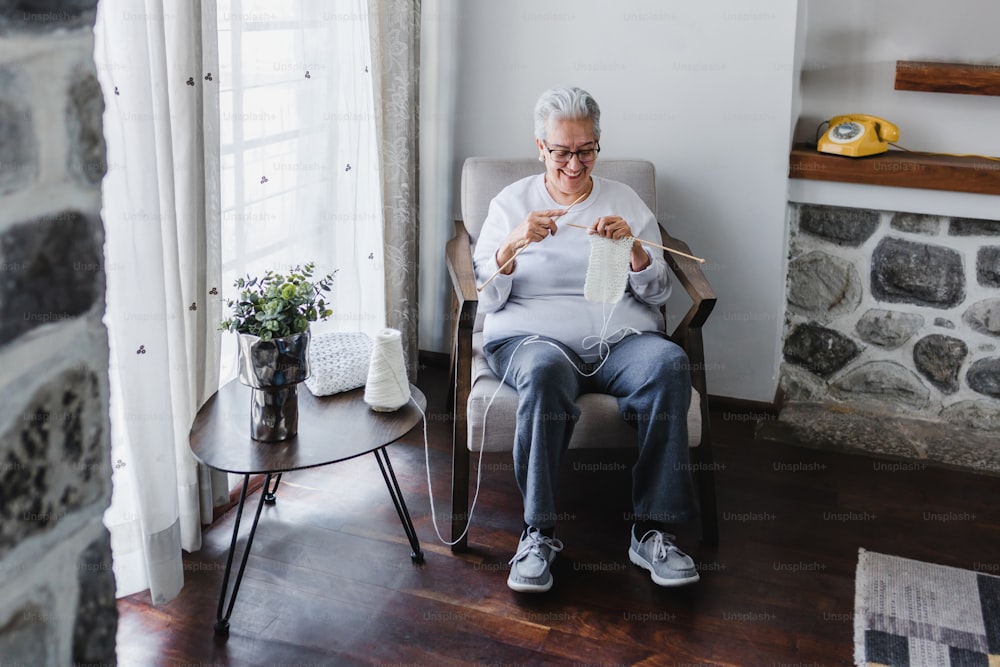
{"x":472,"y":383}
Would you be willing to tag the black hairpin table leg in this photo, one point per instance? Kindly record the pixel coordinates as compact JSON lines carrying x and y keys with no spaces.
{"x":222,"y":621}
{"x":269,"y":491}
{"x":382,"y":456}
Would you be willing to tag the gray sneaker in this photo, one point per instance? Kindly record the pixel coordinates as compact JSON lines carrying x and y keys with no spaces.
{"x":529,"y":568}
{"x":667,"y":565}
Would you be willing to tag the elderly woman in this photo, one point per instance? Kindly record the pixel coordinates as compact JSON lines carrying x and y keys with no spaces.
{"x":548,"y":341}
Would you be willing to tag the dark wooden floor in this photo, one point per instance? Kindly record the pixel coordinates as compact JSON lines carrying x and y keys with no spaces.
{"x":330,"y":582}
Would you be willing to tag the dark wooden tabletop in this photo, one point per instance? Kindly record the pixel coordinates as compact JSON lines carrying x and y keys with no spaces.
{"x":331,"y":428}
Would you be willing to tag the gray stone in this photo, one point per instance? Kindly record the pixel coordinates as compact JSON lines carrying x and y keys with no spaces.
{"x":882,"y":381}
{"x":939,"y":358}
{"x":53,"y":457}
{"x":46,"y":15}
{"x":988,"y":266}
{"x":84,"y":111}
{"x":50,"y":270}
{"x":982,"y":415}
{"x":943,"y":323}
{"x":983,"y":377}
{"x":916,"y":223}
{"x":96,"y":613}
{"x":911,"y":443}
{"x":917,"y":273}
{"x":819,"y":350}
{"x":887,"y":328}
{"x":25,"y":639}
{"x":798,"y":384}
{"x":19,"y":147}
{"x":984,"y":316}
{"x":839,"y":427}
{"x":974,"y":227}
{"x":843,"y":226}
{"x":822,"y":287}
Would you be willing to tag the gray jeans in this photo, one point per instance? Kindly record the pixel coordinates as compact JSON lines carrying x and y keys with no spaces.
{"x":651,"y":377}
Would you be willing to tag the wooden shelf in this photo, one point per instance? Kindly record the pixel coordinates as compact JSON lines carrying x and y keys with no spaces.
{"x":932,"y":77}
{"x":899,"y":169}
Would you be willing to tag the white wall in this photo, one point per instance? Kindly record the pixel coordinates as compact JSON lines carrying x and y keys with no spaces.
{"x":439,"y":62}
{"x":849,"y":67}
{"x":705,"y":92}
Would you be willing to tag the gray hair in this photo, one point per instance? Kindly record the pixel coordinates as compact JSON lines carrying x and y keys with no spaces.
{"x":569,"y":103}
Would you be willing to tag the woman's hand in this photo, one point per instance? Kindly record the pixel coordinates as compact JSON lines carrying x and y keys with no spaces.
{"x":538,"y":226}
{"x":615,"y":227}
{"x":611,"y":227}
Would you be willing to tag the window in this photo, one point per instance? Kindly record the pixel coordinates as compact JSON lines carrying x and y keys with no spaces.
{"x":299,"y":178}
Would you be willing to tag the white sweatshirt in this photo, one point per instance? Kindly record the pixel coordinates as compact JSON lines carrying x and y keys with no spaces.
{"x":544,"y":294}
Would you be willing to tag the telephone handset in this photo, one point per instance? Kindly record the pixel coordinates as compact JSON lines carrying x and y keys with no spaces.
{"x":857,"y":135}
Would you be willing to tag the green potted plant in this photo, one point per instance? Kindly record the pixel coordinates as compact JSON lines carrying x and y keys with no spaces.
{"x":271,"y":317}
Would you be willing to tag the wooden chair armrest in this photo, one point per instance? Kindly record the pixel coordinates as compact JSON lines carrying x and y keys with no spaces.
{"x":693,"y":280}
{"x":465,"y":303}
{"x":458,"y":257}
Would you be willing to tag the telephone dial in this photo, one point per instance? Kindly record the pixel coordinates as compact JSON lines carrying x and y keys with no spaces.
{"x":857,"y":135}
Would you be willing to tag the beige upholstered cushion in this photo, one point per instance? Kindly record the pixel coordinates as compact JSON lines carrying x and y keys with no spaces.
{"x":599,"y":424}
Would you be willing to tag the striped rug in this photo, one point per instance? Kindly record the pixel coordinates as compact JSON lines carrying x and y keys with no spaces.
{"x":913,"y":614}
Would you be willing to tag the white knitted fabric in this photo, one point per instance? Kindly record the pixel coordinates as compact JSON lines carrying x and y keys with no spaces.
{"x":607,"y":273}
{"x":338,"y":362}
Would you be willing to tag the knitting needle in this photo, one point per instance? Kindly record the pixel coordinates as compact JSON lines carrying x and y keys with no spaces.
{"x":518,"y":251}
{"x":655,"y":245}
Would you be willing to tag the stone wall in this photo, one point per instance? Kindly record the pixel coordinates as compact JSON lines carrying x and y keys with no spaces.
{"x":55,"y":473}
{"x":894,"y":313}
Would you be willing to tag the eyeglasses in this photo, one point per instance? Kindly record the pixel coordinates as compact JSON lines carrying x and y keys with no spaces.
{"x":562,"y":156}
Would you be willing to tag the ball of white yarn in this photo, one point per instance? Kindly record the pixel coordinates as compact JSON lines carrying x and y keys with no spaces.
{"x":388,"y":387}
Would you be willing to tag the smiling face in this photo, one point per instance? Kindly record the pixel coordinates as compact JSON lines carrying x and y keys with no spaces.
{"x":566,"y":182}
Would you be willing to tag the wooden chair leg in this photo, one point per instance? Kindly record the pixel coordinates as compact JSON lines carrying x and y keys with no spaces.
{"x":460,"y":460}
{"x":705,"y":480}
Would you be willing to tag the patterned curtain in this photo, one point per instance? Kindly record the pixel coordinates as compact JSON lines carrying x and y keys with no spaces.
{"x":395,"y":38}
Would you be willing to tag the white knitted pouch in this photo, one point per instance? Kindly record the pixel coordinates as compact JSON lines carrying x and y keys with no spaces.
{"x":338,"y":362}
{"x":607,"y":273}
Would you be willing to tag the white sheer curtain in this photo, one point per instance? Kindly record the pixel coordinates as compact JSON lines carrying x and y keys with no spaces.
{"x":300,"y":174}
{"x":241,"y":138}
{"x":162,"y":262}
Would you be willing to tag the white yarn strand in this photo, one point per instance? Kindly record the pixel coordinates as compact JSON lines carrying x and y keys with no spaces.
{"x":607,"y":273}
{"x":479,"y":467}
{"x":388,"y":387}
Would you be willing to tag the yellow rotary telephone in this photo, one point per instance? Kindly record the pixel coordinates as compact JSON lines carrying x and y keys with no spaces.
{"x":857,"y":135}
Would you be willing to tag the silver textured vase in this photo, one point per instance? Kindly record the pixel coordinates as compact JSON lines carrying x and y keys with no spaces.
{"x":273,"y":369}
